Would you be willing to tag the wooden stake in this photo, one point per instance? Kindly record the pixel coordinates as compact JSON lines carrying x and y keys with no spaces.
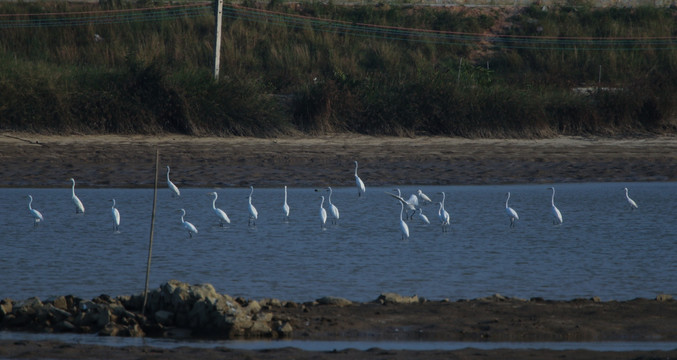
{"x":152,"y":229}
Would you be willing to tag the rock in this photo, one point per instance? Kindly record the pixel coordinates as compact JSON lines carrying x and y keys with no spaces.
{"x":253,"y":307}
{"x":61,"y":303}
{"x":5,"y":307}
{"x":332,"y":300}
{"x":392,"y":298}
{"x":285,"y":330}
{"x":164,"y":317}
{"x":663,"y":297}
{"x":64,"y":326}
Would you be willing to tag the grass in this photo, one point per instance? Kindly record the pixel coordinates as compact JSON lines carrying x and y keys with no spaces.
{"x":323,"y":73}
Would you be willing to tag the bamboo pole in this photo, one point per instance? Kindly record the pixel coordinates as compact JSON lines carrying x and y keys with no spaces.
{"x":152,"y":229}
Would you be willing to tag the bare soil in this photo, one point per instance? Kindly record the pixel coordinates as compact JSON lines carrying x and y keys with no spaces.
{"x":129,"y":161}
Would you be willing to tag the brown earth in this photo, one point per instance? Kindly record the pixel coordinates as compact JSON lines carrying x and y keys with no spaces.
{"x":128,"y":161}
{"x":117,"y":161}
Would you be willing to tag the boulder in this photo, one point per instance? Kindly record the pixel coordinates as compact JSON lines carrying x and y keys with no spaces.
{"x":332,"y":300}
{"x":392,"y":298}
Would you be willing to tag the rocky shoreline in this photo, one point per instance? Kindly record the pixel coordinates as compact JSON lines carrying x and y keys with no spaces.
{"x":177,"y":309}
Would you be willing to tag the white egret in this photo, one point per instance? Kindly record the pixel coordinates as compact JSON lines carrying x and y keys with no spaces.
{"x":79,"y":208}
{"x":403,"y":225}
{"x":360,"y":185}
{"x":422,"y":217}
{"x":323,"y":213}
{"x":445,"y":219}
{"x":409,"y":204}
{"x":219,"y":213}
{"x":423,"y":196}
{"x":253,"y":214}
{"x":285,"y":206}
{"x":37,"y":216}
{"x":186,"y":225}
{"x":116,"y":217}
{"x":175,"y":190}
{"x":332,"y":208}
{"x":512,"y":214}
{"x":632,"y":203}
{"x":556,"y":215}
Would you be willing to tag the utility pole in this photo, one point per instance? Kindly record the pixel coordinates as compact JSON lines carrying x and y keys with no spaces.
{"x":217,"y":41}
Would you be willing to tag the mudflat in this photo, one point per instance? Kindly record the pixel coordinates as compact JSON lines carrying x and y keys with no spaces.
{"x":129,"y":161}
{"x":30,"y":160}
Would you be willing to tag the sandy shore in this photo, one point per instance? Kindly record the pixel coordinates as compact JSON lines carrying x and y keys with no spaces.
{"x":28,"y":160}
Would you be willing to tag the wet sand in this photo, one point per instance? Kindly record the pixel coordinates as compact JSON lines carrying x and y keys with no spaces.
{"x":28,"y":160}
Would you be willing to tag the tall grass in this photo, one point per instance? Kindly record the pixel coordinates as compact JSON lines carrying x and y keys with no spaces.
{"x":280,"y":77}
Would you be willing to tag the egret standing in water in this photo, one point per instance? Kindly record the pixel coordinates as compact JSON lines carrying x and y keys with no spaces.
{"x":632,"y":203}
{"x":410,"y":204}
{"x":285,"y":206}
{"x":79,"y":208}
{"x":37,"y":216}
{"x":170,"y":184}
{"x":423,"y":197}
{"x":556,"y":215}
{"x":186,"y":225}
{"x":443,"y":214}
{"x":253,"y":214}
{"x":116,"y":217}
{"x":332,"y":208}
{"x":512,"y":214}
{"x":360,"y":185}
{"x":323,"y":213}
{"x":219,"y":213}
{"x":422,"y":217}
{"x":404,"y":229}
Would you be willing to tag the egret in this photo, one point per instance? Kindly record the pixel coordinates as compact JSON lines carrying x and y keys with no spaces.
{"x":285,"y":207}
{"x":423,"y":196}
{"x":512,"y":214}
{"x":444,"y":217}
{"x":334,"y":210}
{"x":360,"y":185}
{"x":79,"y":208}
{"x":116,"y":217}
{"x":421,"y":216}
{"x":37,"y":216}
{"x":219,"y":213}
{"x":175,"y":190}
{"x":253,"y":214}
{"x":556,"y":215}
{"x":408,"y":203}
{"x":443,"y":214}
{"x":323,"y":213}
{"x":403,"y":225}
{"x":632,"y":203}
{"x":186,"y":225}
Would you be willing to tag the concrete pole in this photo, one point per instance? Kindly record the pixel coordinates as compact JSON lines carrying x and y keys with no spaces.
{"x":217,"y":41}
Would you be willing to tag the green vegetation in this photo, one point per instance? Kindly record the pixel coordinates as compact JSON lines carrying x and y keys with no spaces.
{"x":313,"y":68}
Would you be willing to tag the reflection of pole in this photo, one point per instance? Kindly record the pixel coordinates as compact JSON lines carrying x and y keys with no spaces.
{"x":152,"y":228}
{"x":217,"y":40}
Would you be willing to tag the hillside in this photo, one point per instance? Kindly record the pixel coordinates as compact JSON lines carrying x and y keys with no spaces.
{"x":313,"y":68}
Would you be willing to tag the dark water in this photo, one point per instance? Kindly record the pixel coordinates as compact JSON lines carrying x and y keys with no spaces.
{"x":89,"y":339}
{"x":602,"y":248}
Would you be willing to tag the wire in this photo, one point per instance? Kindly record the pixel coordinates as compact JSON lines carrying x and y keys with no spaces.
{"x":394,"y":33}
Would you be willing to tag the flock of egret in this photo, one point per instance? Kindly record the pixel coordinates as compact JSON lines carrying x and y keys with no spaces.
{"x":411,"y":204}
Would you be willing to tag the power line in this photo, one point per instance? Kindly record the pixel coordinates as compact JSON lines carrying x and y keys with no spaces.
{"x":345,"y":28}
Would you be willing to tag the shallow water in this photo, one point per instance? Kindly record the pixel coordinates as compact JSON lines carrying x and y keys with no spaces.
{"x":602,"y":248}
{"x":89,"y":339}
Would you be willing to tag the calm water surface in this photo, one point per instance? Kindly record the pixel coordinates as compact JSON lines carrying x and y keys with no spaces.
{"x":602,"y":248}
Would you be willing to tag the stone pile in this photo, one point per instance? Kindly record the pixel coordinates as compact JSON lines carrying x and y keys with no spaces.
{"x":174,"y":305}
